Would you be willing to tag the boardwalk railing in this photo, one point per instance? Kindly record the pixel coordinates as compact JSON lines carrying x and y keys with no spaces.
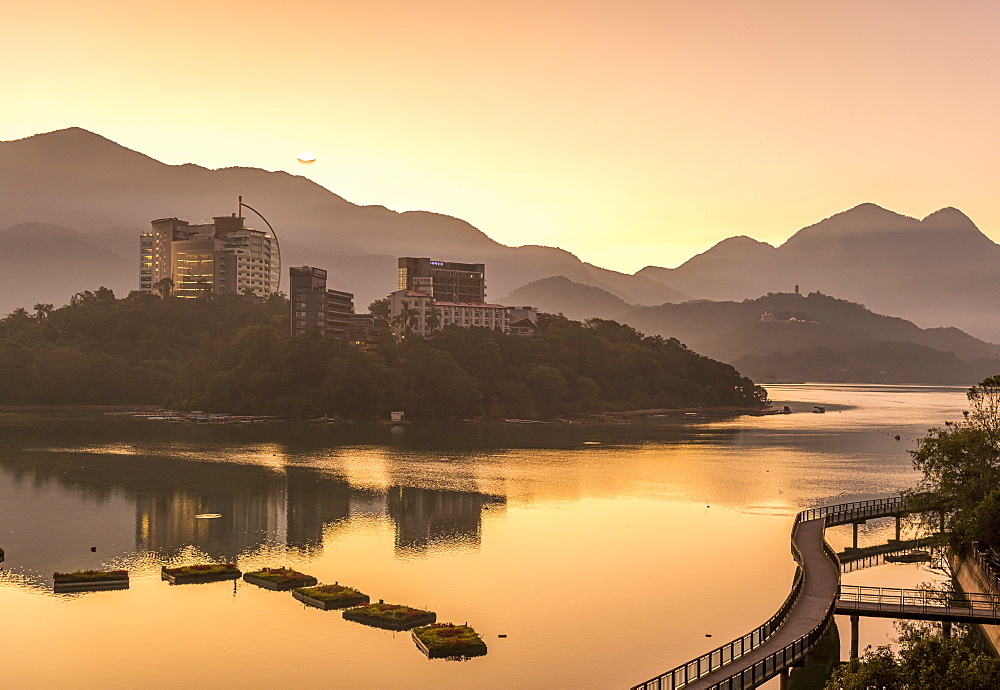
{"x":772,"y":664}
{"x":686,"y":674}
{"x":858,"y":559}
{"x":926,"y":602}
{"x":795,"y":651}
{"x":859,"y":510}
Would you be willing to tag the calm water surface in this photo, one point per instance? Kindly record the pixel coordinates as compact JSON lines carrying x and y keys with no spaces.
{"x":605,"y":554}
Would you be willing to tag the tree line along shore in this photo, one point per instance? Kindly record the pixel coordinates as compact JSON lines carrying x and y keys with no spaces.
{"x":234,"y":354}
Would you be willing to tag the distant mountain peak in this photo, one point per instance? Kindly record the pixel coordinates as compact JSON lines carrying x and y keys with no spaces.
{"x":863,"y":220}
{"x":62,"y":145}
{"x":868,"y":212}
{"x":740,"y":241}
{"x":950,"y":216}
{"x":68,"y":134}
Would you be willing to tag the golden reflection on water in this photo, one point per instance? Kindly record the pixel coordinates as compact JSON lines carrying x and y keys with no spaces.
{"x":603,"y":564}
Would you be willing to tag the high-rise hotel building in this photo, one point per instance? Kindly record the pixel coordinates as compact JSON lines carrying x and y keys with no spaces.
{"x":444,"y":281}
{"x":223,"y":256}
{"x":314,"y":307}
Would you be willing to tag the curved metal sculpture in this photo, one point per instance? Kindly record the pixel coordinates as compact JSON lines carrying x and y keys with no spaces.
{"x":277,"y":245}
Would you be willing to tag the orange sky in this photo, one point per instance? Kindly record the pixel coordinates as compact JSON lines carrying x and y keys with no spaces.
{"x":629,"y":132}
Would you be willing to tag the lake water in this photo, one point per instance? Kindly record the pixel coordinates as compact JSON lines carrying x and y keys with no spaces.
{"x":604,"y":554}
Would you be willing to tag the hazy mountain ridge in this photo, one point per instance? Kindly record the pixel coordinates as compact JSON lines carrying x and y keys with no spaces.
{"x":939,"y":270}
{"x":784,"y":335}
{"x":559,"y":294}
{"x":87,"y":183}
{"x":731,"y":329}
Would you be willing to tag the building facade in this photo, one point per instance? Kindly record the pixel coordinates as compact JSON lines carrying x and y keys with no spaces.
{"x":217,"y":257}
{"x":366,"y":330}
{"x":445,"y":281}
{"x":523,"y":320}
{"x":314,"y":307}
{"x":417,"y":313}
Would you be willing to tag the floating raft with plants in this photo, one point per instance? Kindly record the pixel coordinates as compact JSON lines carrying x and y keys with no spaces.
{"x":200,"y":572}
{"x":90,"y":580}
{"x":444,"y":640}
{"x":390,"y":616}
{"x":329,"y":597}
{"x":279,"y":579}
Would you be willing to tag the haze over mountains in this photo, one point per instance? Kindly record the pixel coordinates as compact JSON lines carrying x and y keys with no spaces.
{"x":73,"y":202}
{"x":788,"y":336}
{"x":84,"y":183}
{"x":939,"y":271}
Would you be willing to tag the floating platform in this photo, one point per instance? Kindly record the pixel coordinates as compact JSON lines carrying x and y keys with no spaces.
{"x":390,"y":616}
{"x":279,"y":579}
{"x":334,"y":597}
{"x":90,"y":581}
{"x":447,"y":641}
{"x":195,"y":574}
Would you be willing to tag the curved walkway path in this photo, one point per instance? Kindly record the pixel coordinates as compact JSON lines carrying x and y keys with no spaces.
{"x":789,"y":635}
{"x":820,"y":582}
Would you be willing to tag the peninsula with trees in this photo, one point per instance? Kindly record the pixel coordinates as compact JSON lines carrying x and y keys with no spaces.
{"x":234,"y":353}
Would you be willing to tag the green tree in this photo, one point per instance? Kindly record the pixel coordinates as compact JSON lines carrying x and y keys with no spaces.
{"x":876,"y":668}
{"x":42,"y":311}
{"x":960,"y":463}
{"x":404,"y":319}
{"x":925,"y":662}
{"x":548,"y":387}
{"x":380,"y":307}
{"x":984,"y":408}
{"x":433,"y":318}
{"x":984,"y":521}
{"x":587,"y":392}
{"x":164,"y":287}
{"x":433,"y":385}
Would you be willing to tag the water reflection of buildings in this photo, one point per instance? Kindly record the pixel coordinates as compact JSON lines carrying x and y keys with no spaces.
{"x":281,"y":509}
{"x":118,"y":497}
{"x":427,"y":516}
{"x":292,"y":509}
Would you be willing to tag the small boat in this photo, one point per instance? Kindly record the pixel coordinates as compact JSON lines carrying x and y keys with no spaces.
{"x":819,"y":409}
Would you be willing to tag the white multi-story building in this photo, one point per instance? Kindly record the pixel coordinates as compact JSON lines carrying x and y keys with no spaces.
{"x":417,"y":313}
{"x":223,"y":256}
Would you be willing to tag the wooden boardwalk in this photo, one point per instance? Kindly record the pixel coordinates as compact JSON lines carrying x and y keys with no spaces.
{"x":918,"y":604}
{"x":788,"y":636}
{"x":820,"y":579}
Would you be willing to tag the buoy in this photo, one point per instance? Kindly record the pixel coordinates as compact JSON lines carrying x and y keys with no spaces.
{"x":94,"y":549}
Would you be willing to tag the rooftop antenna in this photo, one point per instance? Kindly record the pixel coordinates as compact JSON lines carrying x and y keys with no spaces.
{"x":277,"y":246}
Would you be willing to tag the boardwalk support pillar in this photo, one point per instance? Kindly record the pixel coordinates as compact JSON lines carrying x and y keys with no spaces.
{"x":946,"y":630}
{"x":899,"y":524}
{"x":855,"y":526}
{"x":783,"y":679}
{"x":854,"y":636}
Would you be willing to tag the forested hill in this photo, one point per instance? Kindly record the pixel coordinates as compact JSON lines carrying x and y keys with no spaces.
{"x":230,"y":354}
{"x":815,"y":337}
